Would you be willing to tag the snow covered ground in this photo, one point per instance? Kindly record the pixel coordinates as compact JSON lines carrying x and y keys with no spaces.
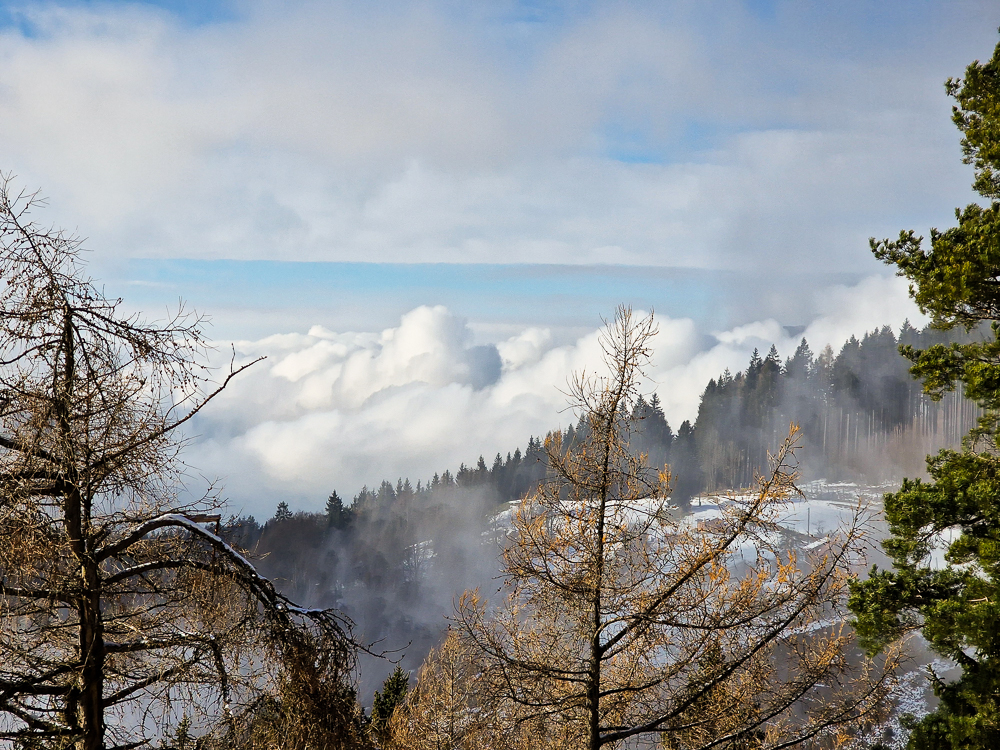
{"x":821,"y":509}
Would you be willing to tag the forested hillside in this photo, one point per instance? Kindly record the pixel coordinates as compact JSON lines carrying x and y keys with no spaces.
{"x":863,"y":416}
{"x":395,"y":556}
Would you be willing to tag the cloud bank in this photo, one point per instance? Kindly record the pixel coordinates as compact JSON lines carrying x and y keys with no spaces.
{"x":330,"y":410}
{"x":716,"y":135}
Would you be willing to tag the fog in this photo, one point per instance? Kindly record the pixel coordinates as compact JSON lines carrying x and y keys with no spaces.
{"x":338,"y":410}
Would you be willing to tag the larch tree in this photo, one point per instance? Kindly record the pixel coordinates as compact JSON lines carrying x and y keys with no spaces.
{"x":623,"y":620}
{"x":442,"y":710}
{"x":122,"y":610}
{"x":449,"y":709}
{"x":955,"y":605}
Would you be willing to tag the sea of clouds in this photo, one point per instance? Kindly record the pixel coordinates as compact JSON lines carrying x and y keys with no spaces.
{"x":333,"y":410}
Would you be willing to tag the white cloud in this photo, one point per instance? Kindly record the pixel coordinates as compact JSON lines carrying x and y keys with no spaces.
{"x":337,"y":410}
{"x":413,"y":132}
{"x":847,"y":311}
{"x":352,"y":408}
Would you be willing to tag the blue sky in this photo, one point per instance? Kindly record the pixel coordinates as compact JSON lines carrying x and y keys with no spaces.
{"x":459,"y":174}
{"x":188,"y":12}
{"x":496,"y":297}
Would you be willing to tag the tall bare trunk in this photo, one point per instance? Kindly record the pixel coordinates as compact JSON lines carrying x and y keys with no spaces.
{"x":92,"y":658}
{"x":90,"y":680}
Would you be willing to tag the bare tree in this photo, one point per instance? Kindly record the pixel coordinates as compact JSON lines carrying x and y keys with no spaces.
{"x":121,"y":609}
{"x":625,"y":620}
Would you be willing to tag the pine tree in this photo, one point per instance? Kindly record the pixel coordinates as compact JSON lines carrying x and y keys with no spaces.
{"x":957,"y":606}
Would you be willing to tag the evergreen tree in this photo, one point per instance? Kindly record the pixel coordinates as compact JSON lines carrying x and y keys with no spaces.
{"x":823,"y":371}
{"x":337,"y":515}
{"x":753,"y":369}
{"x":404,"y":490}
{"x":686,"y":468}
{"x":957,"y":606}
{"x":654,"y":404}
{"x":386,"y":493}
{"x":845,"y":381}
{"x":364,"y":499}
{"x":657,"y":425}
{"x":282,"y":512}
{"x":800,"y":365}
{"x":393,"y":694}
{"x":652,"y":435}
{"x":570,"y":437}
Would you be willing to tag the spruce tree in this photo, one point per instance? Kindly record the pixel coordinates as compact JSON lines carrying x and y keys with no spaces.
{"x":386,"y":700}
{"x":685,"y":466}
{"x":337,"y":515}
{"x":799,"y":366}
{"x":956,"y":606}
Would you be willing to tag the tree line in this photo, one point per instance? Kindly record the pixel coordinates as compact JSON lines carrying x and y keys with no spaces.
{"x":862,"y":415}
{"x":847,"y":406}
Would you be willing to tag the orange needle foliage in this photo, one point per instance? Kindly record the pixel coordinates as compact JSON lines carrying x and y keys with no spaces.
{"x":623,"y":619}
{"x":120,"y":611}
